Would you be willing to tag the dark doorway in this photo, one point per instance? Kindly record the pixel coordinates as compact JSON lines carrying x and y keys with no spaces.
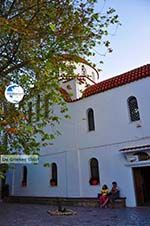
{"x":142,"y":185}
{"x":2,"y":187}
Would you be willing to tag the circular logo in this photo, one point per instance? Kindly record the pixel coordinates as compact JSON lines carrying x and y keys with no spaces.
{"x":14,"y":93}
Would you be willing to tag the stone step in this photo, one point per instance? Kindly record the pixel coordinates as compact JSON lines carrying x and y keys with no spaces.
{"x":85,"y":202}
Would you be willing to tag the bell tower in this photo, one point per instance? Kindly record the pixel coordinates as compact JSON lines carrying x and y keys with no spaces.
{"x":86,"y":76}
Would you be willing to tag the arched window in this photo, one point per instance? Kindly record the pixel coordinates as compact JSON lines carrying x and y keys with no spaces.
{"x":53,"y":180}
{"x":30,"y":111}
{"x":24,"y":176}
{"x":133,"y":109}
{"x":38,"y":103}
{"x":46,"y":106}
{"x":91,"y":123}
{"x":94,"y":172}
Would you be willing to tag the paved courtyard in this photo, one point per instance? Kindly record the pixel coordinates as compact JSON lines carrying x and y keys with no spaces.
{"x":36,"y":215}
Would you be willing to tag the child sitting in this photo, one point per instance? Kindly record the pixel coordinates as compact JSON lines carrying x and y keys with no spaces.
{"x":114,"y":193}
{"x":104,"y":196}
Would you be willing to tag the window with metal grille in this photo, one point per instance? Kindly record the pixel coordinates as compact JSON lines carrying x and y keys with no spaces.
{"x":133,"y":109}
{"x":94,"y":172}
{"x":91,"y":123}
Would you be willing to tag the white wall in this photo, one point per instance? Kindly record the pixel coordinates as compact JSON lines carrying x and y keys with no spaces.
{"x":111,"y":168}
{"x":112,"y":121}
{"x":74,"y":148}
{"x":112,"y":117}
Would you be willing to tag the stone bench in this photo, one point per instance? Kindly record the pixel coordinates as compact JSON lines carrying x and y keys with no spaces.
{"x":120,"y":202}
{"x":85,"y":202}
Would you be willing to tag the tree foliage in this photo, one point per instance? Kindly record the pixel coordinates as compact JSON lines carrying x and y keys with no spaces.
{"x":38,"y":39}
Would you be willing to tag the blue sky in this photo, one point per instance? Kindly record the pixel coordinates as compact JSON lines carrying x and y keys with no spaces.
{"x":131,"y":43}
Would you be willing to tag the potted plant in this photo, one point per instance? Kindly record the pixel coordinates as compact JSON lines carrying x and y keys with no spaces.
{"x":94,"y":181}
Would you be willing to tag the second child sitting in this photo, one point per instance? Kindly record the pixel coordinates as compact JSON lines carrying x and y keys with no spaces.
{"x":104,"y":196}
{"x":114,"y":193}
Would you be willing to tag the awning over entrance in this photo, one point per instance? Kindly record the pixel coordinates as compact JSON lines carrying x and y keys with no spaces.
{"x":135,"y":149}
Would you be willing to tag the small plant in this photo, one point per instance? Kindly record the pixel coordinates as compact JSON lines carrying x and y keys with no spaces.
{"x":94,"y":181}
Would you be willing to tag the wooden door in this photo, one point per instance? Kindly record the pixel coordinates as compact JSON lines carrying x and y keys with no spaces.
{"x":138,"y":183}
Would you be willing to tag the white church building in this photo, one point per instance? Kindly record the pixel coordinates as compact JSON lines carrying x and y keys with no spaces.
{"x":107,"y":139}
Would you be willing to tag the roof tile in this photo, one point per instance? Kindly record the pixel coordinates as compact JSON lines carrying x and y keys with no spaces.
{"x":125,"y":78}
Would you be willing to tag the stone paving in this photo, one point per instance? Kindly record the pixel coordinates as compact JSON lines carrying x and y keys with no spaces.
{"x":36,"y":215}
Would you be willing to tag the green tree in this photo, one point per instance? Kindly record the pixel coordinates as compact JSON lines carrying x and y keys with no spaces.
{"x":38,"y":39}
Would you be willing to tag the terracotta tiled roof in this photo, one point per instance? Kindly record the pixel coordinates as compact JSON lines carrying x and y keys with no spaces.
{"x":65,"y":95}
{"x":119,"y":80}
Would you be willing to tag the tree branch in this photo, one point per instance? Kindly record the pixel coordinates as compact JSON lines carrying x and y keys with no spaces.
{"x":15,"y":67}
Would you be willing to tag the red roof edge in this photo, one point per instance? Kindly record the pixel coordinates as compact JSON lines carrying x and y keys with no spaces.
{"x":120,"y":80}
